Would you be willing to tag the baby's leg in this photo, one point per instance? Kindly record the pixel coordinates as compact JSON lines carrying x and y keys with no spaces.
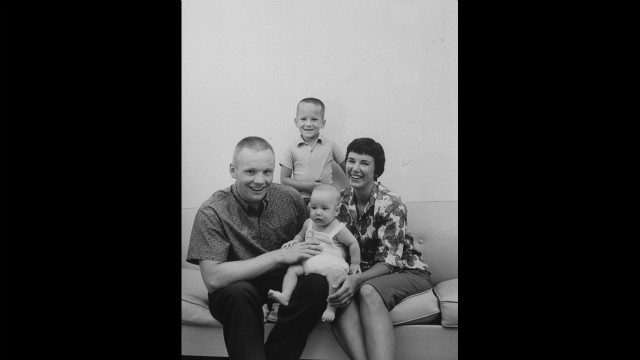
{"x":288,"y":284}
{"x":332,"y":276}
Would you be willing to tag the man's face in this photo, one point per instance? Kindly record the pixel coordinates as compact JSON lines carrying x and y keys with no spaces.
{"x":253,"y":171}
{"x":309,"y":120}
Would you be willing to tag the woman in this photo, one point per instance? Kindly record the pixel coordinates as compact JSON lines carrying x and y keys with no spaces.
{"x":392,"y":268}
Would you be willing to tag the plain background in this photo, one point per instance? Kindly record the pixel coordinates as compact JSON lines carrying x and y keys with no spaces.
{"x":384,"y":69}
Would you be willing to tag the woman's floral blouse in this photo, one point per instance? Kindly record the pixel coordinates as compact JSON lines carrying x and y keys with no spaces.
{"x":381,"y":230}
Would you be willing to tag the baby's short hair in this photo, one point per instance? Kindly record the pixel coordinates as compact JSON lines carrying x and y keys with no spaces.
{"x":311,"y":100}
{"x":328,"y":188}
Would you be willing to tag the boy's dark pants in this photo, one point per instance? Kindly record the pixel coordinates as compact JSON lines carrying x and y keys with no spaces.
{"x":239,"y":308}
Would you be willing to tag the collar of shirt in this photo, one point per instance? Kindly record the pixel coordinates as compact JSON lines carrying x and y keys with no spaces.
{"x":245,"y":205}
{"x":370,"y":205}
{"x":302,"y":142}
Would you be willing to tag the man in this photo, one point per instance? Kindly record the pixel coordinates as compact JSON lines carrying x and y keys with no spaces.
{"x":236,"y":240}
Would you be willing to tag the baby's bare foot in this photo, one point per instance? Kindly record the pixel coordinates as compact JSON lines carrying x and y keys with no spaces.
{"x":329,"y":315}
{"x":278,"y":297}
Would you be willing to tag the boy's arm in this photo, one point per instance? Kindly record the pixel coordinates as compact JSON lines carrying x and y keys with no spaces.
{"x":339,"y":155}
{"x":343,"y":166}
{"x":285,"y":179}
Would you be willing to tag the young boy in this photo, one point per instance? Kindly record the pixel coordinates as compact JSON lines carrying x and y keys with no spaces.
{"x":307,"y":162}
{"x":334,"y":237}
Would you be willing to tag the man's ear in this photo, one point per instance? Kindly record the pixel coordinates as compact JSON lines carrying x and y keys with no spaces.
{"x":324,"y":121}
{"x":232,"y":170}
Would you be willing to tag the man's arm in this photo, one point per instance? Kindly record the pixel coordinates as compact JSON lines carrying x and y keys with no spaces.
{"x":217,"y":275}
{"x":300,"y":185}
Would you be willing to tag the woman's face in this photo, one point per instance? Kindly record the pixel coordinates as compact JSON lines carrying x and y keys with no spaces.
{"x":360,"y":170}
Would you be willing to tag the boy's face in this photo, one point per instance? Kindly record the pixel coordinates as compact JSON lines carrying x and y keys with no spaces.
{"x":309,"y":121}
{"x":253,"y":171}
{"x":323,"y":207}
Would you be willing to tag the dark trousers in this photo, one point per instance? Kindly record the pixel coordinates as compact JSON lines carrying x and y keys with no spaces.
{"x":239,"y":308}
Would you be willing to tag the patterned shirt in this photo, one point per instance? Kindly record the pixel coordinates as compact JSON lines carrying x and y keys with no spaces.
{"x":312,"y":161}
{"x":226,"y":228}
{"x":381,"y":231}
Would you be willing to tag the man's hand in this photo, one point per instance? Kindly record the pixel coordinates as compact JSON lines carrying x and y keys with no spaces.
{"x":300,"y":251}
{"x":289,"y":244}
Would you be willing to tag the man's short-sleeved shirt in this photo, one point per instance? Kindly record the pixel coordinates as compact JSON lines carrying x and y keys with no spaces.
{"x":312,"y":161}
{"x":226,"y":228}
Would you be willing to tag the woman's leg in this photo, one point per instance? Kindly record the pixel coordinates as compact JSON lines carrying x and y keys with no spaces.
{"x":376,"y":323}
{"x":288,"y":284}
{"x":347,"y":328}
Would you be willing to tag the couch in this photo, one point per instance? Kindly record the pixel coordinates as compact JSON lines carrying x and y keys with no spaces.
{"x":426,"y":324}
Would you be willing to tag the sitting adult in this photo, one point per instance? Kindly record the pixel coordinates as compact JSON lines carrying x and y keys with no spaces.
{"x":392,"y":269}
{"x":236,"y":240}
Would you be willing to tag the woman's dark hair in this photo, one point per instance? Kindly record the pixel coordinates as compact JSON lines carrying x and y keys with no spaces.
{"x":368,"y":146}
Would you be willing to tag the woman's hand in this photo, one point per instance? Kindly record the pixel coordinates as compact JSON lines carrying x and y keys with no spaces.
{"x":348,"y":284}
{"x":354,"y":269}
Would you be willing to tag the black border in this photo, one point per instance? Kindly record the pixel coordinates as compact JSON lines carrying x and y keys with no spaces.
{"x":91,"y":179}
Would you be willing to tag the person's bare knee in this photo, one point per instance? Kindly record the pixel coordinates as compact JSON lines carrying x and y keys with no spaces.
{"x":296,"y":270}
{"x":369,"y":296}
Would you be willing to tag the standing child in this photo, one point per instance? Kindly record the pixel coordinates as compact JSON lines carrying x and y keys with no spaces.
{"x":307,"y":162}
{"x":334,"y":237}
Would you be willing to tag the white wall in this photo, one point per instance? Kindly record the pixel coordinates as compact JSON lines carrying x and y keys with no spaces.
{"x":385,"y":69}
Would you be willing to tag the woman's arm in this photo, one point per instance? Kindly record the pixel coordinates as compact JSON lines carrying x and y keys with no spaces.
{"x":397,"y":248}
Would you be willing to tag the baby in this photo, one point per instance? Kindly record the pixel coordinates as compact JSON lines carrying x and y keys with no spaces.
{"x":334,"y":237}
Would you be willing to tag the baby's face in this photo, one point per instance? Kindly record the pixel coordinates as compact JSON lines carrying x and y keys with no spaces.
{"x":322,"y":207}
{"x":309,"y":120}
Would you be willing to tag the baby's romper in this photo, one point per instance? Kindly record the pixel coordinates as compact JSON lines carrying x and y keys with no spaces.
{"x":331,"y":256}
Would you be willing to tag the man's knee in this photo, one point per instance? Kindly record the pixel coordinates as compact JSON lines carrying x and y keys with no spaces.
{"x":238,"y":288}
{"x":236,"y":293}
{"x":236,"y":298}
{"x":312,"y":284}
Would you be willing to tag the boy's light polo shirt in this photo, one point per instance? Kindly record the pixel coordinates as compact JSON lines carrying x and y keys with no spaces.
{"x":312,"y":161}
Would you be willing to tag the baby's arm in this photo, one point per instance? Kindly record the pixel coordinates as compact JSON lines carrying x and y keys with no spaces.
{"x":299,"y":236}
{"x":345,"y":237}
{"x":300,"y":185}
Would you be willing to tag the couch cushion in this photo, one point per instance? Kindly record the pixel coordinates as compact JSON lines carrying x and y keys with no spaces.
{"x":421,"y":308}
{"x":447,"y":293}
{"x":195,"y":301}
